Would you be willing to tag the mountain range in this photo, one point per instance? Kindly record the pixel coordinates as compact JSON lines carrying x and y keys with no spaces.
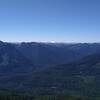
{"x":49,"y":67}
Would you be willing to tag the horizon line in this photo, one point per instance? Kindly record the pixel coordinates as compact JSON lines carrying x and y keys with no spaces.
{"x":52,"y":42}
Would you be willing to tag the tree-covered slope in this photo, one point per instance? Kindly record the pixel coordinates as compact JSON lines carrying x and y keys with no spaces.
{"x":80,"y":77}
{"x":56,"y":53}
{"x":12,"y":61}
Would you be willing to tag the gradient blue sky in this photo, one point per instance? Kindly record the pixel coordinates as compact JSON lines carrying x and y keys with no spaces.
{"x":50,"y":20}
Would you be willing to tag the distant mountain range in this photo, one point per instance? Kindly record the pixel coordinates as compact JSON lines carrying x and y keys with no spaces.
{"x":55,"y":53}
{"x":50,"y":66}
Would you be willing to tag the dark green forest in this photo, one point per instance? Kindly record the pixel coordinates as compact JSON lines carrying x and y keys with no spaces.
{"x":27,"y":96}
{"x":37,"y":71}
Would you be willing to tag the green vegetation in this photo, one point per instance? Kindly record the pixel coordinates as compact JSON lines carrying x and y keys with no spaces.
{"x":17,"y":96}
{"x":21,"y":79}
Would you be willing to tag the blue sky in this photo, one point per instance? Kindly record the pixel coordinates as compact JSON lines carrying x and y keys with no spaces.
{"x":50,"y":20}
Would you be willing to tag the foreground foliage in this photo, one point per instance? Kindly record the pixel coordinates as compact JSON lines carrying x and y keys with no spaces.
{"x":40,"y":97}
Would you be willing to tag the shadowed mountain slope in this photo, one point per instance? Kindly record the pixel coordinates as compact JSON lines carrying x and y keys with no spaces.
{"x":13,"y":61}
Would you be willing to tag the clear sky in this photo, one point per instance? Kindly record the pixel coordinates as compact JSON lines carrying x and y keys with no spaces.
{"x":50,"y":20}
